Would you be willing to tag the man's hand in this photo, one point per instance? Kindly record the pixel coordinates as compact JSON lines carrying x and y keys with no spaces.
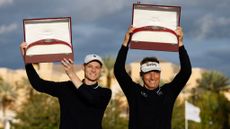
{"x":68,"y":66}
{"x":128,"y":36}
{"x":69,"y":69}
{"x":179,"y":32}
{"x":23,"y":47}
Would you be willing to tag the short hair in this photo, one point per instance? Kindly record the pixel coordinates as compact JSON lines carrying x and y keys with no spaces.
{"x":149,"y":59}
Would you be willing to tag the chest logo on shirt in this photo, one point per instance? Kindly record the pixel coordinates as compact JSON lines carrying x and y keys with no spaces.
{"x":144,"y":94}
{"x":158,"y":92}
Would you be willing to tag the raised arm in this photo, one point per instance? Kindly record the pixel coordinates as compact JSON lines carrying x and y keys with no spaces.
{"x":184,"y":74}
{"x":39,"y":84}
{"x":120,"y":73}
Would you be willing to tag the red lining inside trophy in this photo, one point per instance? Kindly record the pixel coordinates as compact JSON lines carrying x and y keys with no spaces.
{"x":154,"y":28}
{"x":157,"y":45}
{"x":48,"y":42}
{"x":44,"y":58}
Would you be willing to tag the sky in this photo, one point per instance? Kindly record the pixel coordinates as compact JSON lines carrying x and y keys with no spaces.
{"x":99,"y":26}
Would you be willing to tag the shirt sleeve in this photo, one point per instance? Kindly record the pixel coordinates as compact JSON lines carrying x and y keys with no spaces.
{"x":96,"y":97}
{"x":124,"y":80}
{"x":44,"y":86}
{"x":182,"y":76}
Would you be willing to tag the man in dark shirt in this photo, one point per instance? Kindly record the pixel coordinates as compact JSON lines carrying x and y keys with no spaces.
{"x":82,"y":103}
{"x":151,"y":106}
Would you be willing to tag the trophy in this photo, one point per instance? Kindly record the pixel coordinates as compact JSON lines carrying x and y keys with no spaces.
{"x":48,"y":39}
{"x":155,"y":27}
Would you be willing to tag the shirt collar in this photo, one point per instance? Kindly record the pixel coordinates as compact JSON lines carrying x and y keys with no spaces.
{"x":93,"y":86}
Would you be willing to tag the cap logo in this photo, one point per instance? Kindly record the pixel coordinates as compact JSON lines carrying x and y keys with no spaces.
{"x":150,"y":66}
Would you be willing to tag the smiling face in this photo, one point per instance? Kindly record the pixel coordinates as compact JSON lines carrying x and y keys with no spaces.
{"x":151,"y":79}
{"x":92,"y":71}
{"x":150,"y":72}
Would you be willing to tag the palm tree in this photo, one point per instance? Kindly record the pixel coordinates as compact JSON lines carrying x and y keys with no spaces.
{"x":213,"y":80}
{"x":109,"y":64}
{"x":214,"y":105}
